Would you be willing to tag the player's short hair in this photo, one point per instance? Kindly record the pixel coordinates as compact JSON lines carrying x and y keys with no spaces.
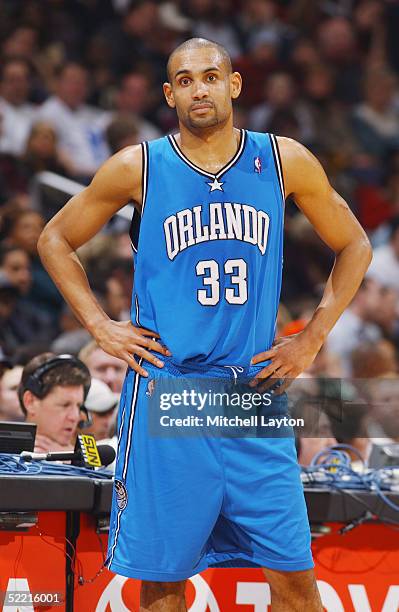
{"x":199,"y":43}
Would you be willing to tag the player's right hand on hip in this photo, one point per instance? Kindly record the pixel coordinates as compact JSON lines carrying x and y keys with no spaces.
{"x":124,"y":340}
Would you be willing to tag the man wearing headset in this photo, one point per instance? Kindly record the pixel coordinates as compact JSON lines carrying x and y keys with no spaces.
{"x":52,"y":393}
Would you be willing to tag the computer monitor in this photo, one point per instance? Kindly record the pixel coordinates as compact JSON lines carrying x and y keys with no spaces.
{"x":16,"y":437}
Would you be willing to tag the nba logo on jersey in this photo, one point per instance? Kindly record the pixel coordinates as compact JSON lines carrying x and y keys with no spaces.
{"x":258,"y":165}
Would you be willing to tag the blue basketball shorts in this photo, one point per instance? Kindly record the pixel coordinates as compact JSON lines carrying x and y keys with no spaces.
{"x":183,"y":503}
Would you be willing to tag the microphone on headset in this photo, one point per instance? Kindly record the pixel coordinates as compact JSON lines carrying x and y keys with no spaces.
{"x":87,"y":421}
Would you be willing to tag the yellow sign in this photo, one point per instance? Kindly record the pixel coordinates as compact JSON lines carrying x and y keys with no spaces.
{"x":90,"y":450}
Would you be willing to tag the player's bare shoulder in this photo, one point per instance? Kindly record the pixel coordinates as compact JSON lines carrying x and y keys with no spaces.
{"x":307,"y":182}
{"x":120,"y":177}
{"x":302,"y":171}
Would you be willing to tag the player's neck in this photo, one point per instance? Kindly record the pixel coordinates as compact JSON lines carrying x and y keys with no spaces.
{"x":209,"y":149}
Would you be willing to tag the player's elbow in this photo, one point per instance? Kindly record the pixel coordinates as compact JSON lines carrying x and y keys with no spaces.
{"x":46,"y":245}
{"x":367,"y":250}
{"x":358,"y":248}
{"x":364,"y":251}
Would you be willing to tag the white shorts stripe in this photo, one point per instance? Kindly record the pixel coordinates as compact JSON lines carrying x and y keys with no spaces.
{"x":136,"y":382}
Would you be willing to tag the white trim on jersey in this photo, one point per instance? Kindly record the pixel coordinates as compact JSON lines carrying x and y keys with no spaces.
{"x":144,"y":180}
{"x":176,"y":148}
{"x":137,"y":311}
{"x":277,"y":161}
{"x":144,"y":183}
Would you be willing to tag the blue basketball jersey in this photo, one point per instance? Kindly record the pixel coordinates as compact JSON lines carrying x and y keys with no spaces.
{"x":208,"y":253}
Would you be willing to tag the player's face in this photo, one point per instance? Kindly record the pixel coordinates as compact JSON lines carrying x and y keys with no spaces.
{"x":201,"y":88}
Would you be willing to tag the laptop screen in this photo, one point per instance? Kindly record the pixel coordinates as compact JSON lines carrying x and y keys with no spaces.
{"x":16,"y":437}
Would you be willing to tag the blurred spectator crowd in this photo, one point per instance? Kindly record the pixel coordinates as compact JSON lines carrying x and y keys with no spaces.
{"x":81,"y":79}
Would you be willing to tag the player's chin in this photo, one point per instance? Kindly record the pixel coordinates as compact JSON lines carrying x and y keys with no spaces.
{"x":203,"y":122}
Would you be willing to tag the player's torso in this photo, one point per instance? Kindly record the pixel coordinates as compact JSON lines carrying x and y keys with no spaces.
{"x":209,"y":251}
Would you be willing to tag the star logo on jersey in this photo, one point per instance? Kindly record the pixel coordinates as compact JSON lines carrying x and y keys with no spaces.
{"x":215,"y":185}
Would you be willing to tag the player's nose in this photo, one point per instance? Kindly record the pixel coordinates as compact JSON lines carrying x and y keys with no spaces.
{"x":200,"y":90}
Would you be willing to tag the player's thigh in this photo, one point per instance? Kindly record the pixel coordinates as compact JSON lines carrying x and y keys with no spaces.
{"x":158,"y":588}
{"x":165,"y":595}
{"x":296,"y":586}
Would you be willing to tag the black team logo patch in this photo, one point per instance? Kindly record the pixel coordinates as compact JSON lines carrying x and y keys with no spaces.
{"x":121,"y":494}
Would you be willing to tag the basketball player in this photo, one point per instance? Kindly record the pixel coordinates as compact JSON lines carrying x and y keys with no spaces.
{"x":208,"y":265}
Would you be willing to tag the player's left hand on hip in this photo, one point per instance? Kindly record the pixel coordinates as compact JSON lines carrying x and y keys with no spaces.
{"x":289,"y":356}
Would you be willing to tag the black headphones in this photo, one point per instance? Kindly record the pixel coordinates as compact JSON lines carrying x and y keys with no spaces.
{"x":35,"y":384}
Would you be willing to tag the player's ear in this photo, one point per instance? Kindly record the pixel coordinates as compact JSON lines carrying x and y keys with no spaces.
{"x":235,"y":84}
{"x":168,"y":93}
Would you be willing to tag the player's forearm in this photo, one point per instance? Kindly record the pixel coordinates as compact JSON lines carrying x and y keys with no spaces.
{"x":348,"y":272}
{"x":64,"y":267}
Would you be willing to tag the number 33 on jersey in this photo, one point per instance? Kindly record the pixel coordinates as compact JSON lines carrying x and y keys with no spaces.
{"x":208,"y":251}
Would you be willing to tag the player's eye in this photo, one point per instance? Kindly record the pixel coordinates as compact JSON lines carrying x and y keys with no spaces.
{"x":211,"y":77}
{"x":185,"y":81}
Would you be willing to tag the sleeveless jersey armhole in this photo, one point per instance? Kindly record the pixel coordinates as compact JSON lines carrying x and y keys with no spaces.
{"x":134,"y":230}
{"x":144,"y":175}
{"x":278,"y":164}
